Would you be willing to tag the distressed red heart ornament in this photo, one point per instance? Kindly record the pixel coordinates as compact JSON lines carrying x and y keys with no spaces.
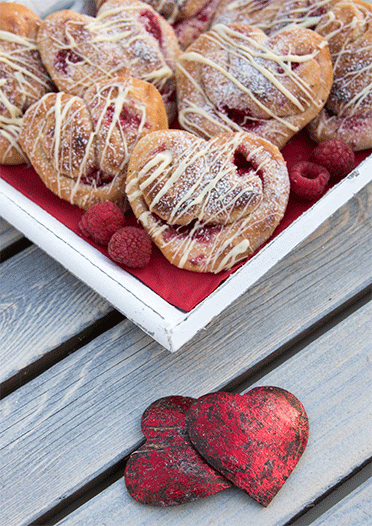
{"x":254,"y":440}
{"x":167,"y":470}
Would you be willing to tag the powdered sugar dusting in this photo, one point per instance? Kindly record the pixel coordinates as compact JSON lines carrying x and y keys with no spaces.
{"x":127,"y":38}
{"x":235,"y":78}
{"x":23,"y":80}
{"x":272,"y":15}
{"x":81,"y":147}
{"x":347,"y":115}
{"x":204,"y":211}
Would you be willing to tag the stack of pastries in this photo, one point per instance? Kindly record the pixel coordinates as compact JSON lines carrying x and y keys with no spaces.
{"x":182,"y":109}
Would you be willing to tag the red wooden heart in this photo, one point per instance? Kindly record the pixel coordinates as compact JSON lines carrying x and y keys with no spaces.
{"x":167,"y":470}
{"x":254,"y":440}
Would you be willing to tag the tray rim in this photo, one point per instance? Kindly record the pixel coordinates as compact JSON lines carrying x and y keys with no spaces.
{"x":168,"y":325}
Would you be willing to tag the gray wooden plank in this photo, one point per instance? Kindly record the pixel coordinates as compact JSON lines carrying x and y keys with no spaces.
{"x":330,"y":377}
{"x":8,"y":235}
{"x":353,"y":510}
{"x":79,"y":418}
{"x":41,"y":306}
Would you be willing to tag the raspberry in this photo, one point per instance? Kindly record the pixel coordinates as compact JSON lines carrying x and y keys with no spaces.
{"x":101,"y":221}
{"x":130,"y":246}
{"x":308,"y":180}
{"x":336,"y":156}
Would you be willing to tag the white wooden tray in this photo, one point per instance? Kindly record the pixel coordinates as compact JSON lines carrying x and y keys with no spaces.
{"x":170,"y":326}
{"x":167,"y":324}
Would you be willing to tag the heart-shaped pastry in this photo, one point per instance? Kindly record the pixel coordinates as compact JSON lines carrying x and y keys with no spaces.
{"x":347,"y":115}
{"x":80,"y":147}
{"x":254,"y":440}
{"x":272,"y":15}
{"x":207,"y":204}
{"x":23,"y":78}
{"x":127,"y":38}
{"x":167,"y":470}
{"x":172,"y":10}
{"x":234,"y":78}
{"x":188,"y":29}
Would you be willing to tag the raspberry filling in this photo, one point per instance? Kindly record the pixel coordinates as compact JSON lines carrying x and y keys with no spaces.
{"x":243,"y":166}
{"x":97,"y":178}
{"x":128,"y":118}
{"x":151,"y":23}
{"x":161,"y":148}
{"x":201,"y":233}
{"x":241,"y":118}
{"x":64,"y":58}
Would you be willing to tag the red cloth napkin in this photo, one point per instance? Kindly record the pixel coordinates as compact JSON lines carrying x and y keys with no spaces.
{"x":181,"y":288}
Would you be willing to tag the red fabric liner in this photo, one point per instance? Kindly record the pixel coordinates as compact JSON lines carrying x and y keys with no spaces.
{"x":181,"y":288}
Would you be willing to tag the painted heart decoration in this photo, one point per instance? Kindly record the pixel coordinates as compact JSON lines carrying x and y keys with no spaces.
{"x":253,"y":441}
{"x":167,"y":470}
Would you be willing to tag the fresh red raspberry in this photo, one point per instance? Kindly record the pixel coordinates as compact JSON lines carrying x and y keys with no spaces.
{"x":130,"y":246}
{"x":308,"y":180}
{"x":101,"y":221}
{"x":336,"y":156}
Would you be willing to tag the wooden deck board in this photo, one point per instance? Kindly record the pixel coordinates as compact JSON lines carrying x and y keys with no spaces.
{"x":81,"y":416}
{"x":353,"y":510}
{"x":42,"y":305}
{"x":8,"y":235}
{"x":333,"y":388}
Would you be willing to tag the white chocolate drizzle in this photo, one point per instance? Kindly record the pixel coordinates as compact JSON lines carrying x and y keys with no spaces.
{"x":212,"y":189}
{"x":248,"y":53}
{"x":25,"y":81}
{"x":120,"y":41}
{"x":273,"y":16}
{"x":97,"y":120}
{"x":350,"y":45}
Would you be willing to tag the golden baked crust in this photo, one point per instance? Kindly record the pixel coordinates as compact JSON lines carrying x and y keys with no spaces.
{"x":23,"y":78}
{"x":187,"y":30}
{"x":207,"y":204}
{"x":80,"y":147}
{"x":172,"y":10}
{"x":272,"y":15}
{"x":347,"y":115}
{"x":126,"y":38}
{"x":236,"y":78}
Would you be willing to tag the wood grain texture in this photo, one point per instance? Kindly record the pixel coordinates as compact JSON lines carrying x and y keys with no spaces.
{"x":42,"y":305}
{"x":353,"y":510}
{"x":80,"y":417}
{"x":8,"y":235}
{"x":330,"y":377}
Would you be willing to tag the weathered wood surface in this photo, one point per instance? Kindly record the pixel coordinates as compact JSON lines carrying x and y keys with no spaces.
{"x":8,"y":235}
{"x":78,"y":419}
{"x":41,"y":307}
{"x":52,"y":306}
{"x":353,"y":510}
{"x":333,"y":387}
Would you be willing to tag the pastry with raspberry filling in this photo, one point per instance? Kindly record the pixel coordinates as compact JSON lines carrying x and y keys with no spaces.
{"x":347,"y":115}
{"x":235,"y":78}
{"x":80,"y":147}
{"x":272,"y":15}
{"x":207,"y":204}
{"x":23,"y":78}
{"x":126,"y":38}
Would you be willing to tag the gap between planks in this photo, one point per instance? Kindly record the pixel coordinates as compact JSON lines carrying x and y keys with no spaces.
{"x":307,"y":516}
